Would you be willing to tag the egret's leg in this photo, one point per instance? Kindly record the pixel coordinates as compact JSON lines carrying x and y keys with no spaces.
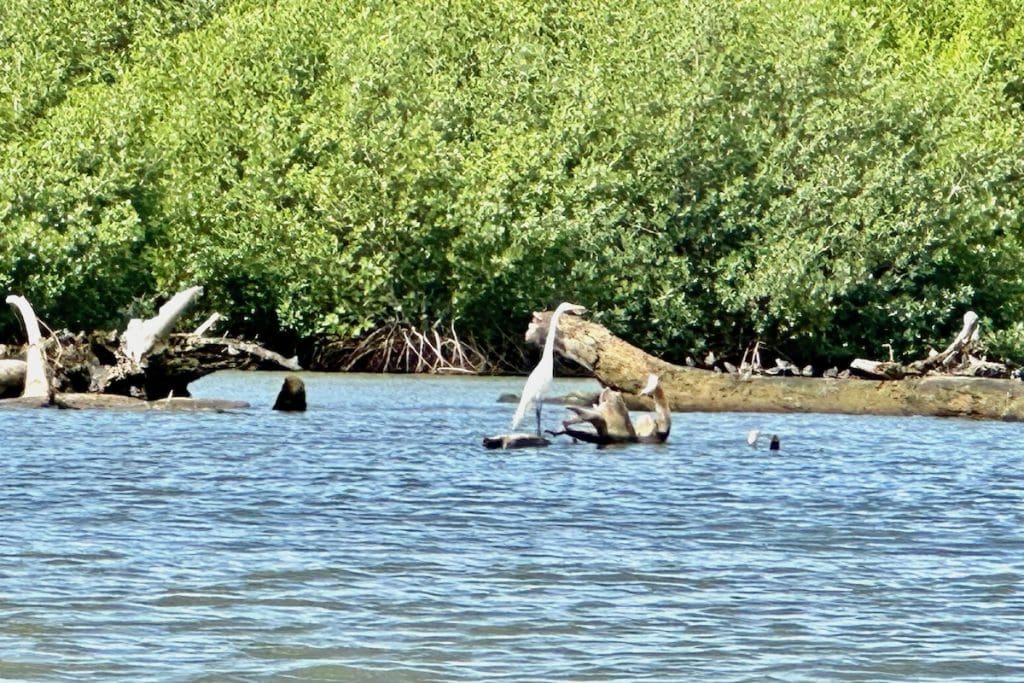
{"x":539,"y":433}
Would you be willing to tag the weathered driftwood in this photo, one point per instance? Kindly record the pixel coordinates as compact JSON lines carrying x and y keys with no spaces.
{"x":958,"y":359}
{"x":622,"y":366}
{"x":880,"y":369}
{"x":111,"y":370}
{"x":959,"y":348}
{"x":515,"y":440}
{"x":37,"y":383}
{"x":207,"y":325}
{"x":73,"y":401}
{"x":140,"y":335}
{"x":168,"y":369}
{"x":147,"y":361}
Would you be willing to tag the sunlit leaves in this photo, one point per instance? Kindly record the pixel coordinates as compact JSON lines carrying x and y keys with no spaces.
{"x":824,"y":176}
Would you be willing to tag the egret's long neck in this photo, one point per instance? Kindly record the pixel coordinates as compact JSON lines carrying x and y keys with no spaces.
{"x":549,"y":343}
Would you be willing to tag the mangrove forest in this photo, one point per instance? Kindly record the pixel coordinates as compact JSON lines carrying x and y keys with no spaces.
{"x":828,"y":178}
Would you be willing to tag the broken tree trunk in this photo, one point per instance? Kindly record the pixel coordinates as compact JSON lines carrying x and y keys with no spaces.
{"x":624,"y":367}
{"x":37,"y":385}
{"x":140,"y":335}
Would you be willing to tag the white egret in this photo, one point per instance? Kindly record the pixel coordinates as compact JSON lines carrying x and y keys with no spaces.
{"x":539,"y":381}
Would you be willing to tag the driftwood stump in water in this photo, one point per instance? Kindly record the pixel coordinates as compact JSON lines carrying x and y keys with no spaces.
{"x":292,"y":397}
{"x":622,"y":366}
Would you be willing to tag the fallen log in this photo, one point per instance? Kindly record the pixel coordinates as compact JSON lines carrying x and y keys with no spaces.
{"x":958,"y":350}
{"x":957,"y":359}
{"x":880,"y":369}
{"x":74,"y":401}
{"x":141,"y":335}
{"x":623,"y":367}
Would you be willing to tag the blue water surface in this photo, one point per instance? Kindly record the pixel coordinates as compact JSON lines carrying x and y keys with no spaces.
{"x":372,"y":538}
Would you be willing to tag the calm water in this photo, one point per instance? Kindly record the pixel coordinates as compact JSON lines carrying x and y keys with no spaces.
{"x":373,"y":539}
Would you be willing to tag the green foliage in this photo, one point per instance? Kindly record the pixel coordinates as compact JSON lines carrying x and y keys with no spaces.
{"x":823,"y":176}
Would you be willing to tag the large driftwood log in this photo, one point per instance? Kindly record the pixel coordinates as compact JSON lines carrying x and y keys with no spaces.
{"x":624,"y":367}
{"x":75,"y":401}
{"x":959,"y":348}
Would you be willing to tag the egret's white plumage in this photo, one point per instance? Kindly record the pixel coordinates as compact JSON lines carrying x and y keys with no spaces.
{"x":539,"y":381}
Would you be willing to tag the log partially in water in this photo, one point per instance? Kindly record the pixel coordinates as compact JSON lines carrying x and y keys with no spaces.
{"x":622,"y":366}
{"x":515,"y":440}
{"x":123,"y":370}
{"x":74,"y":401}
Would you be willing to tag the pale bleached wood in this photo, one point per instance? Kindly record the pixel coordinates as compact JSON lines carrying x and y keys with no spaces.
{"x":141,"y":335}
{"x":37,"y":385}
{"x":207,"y":325}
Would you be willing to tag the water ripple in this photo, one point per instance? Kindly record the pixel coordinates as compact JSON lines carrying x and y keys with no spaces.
{"x":372,"y":538}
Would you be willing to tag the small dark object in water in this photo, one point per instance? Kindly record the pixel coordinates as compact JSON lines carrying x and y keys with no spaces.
{"x":515,"y":440}
{"x":774,"y":445}
{"x":292,"y":396}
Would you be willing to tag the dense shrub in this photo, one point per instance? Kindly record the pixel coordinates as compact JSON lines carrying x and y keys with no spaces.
{"x":823,"y":176}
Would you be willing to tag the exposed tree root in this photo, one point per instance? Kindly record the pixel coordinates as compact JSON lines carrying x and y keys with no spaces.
{"x":402,"y":348}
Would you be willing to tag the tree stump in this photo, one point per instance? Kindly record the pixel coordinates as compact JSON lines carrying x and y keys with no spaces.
{"x":292,"y":397}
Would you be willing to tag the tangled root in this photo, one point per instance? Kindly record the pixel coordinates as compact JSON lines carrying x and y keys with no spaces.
{"x":402,"y":348}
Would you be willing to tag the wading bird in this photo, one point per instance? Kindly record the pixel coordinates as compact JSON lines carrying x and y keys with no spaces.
{"x":539,"y":381}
